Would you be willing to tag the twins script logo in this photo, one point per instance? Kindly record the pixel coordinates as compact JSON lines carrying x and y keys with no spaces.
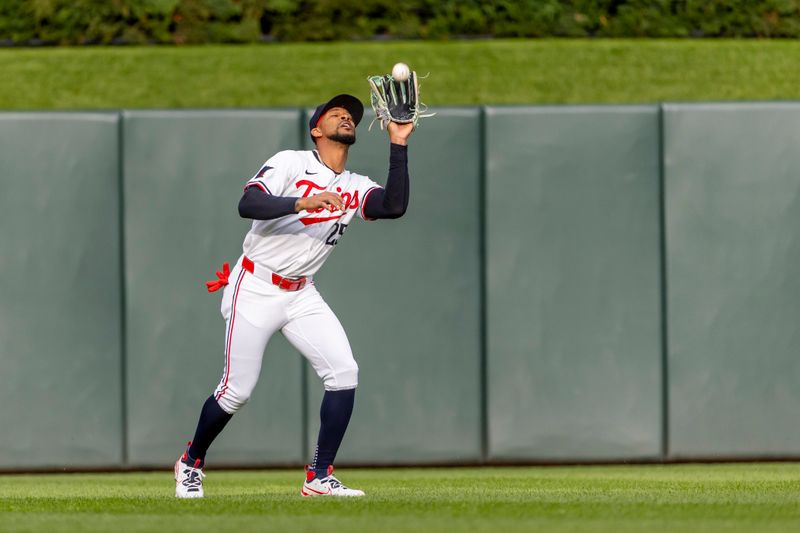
{"x":351,"y":201}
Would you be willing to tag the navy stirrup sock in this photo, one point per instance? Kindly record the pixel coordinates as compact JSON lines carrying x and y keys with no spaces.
{"x":334,"y":414}
{"x":212,"y":420}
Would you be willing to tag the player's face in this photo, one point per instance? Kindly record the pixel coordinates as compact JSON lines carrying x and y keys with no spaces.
{"x":337,"y":125}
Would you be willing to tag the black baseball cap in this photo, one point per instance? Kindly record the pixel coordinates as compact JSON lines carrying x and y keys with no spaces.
{"x":347,"y":101}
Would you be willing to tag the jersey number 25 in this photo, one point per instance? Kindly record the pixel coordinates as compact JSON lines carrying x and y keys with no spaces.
{"x":338,"y":231}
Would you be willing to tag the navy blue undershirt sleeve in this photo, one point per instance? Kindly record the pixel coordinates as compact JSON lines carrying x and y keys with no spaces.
{"x":260,"y":205}
{"x":392,"y":200}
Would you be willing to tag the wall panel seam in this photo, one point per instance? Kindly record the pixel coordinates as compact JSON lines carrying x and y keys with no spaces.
{"x":664,"y":326}
{"x":122,"y":290}
{"x":482,"y":296}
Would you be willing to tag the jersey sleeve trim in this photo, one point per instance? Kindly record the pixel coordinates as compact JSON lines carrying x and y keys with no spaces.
{"x":364,"y":204}
{"x":257,"y":184}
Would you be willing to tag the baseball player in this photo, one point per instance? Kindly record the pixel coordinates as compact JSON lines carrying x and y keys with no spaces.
{"x":301,"y":203}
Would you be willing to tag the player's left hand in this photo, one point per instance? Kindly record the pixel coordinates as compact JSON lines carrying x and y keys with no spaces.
{"x":399,"y":133}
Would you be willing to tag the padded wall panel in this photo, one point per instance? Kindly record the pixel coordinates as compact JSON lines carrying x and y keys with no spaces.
{"x":184,"y":172}
{"x":732,"y":177}
{"x":573,"y":300}
{"x":60,"y":344}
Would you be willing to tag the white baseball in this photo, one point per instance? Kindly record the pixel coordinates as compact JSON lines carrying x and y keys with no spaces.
{"x":400,"y":72}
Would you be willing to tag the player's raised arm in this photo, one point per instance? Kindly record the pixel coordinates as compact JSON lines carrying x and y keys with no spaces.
{"x":392,"y":201}
{"x":395,"y":100}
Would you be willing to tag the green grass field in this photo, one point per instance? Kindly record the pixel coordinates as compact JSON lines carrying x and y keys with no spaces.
{"x":691,"y":498}
{"x":461,"y":72}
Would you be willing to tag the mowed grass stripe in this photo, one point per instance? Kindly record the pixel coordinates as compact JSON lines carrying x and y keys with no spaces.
{"x":461,"y":72}
{"x":749,"y":497}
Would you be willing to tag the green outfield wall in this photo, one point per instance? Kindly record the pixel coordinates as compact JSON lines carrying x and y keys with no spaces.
{"x":573,"y":292}
{"x":570,"y":283}
{"x":61,"y":311}
{"x":732,"y":196}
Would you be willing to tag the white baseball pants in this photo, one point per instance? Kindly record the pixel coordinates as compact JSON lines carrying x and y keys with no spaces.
{"x":254,"y":310}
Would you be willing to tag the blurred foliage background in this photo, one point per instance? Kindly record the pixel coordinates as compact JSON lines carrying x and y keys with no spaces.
{"x":73,"y":22}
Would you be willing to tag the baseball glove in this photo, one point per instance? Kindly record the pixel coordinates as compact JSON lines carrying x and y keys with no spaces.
{"x":396,"y":101}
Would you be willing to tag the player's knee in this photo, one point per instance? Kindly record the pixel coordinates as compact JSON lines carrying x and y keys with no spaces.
{"x":345,"y":377}
{"x":231,"y":400}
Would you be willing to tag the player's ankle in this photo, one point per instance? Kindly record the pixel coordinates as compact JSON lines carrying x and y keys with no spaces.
{"x":192,"y":461}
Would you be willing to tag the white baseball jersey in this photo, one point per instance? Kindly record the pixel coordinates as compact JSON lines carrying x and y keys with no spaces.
{"x":298,"y":244}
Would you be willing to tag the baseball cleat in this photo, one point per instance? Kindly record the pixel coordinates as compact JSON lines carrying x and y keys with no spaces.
{"x":326,"y":486}
{"x":188,"y":478}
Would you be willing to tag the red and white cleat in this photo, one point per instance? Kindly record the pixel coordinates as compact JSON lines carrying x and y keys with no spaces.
{"x":326,"y":486}
{"x":188,"y":478}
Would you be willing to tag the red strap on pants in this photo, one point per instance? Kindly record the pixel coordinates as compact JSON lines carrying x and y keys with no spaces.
{"x":222,"y":279}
